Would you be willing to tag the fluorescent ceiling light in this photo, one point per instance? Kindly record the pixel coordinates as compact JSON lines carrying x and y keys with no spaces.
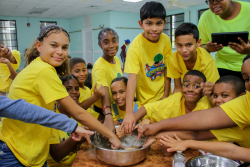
{"x":132,"y":0}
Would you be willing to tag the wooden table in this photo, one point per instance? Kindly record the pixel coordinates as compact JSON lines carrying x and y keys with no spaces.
{"x":87,"y":158}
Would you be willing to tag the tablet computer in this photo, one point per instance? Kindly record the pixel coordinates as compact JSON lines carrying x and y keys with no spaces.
{"x":226,"y":37}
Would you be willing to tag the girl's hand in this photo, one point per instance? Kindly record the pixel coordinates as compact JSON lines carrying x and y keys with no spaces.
{"x":79,"y":132}
{"x":119,"y":134}
{"x":115,"y":143}
{"x":174,"y":144}
{"x":128,"y":123}
{"x":100,"y":92}
{"x":241,"y":49}
{"x":4,"y":60}
{"x":213,"y":46}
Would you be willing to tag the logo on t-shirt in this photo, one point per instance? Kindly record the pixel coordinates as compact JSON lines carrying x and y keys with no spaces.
{"x":156,"y":69}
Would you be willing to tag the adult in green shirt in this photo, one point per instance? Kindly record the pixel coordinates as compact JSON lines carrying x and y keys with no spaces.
{"x":226,"y":16}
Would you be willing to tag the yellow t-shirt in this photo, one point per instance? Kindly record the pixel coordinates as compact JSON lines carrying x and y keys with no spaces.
{"x":238,"y":110}
{"x":234,"y":134}
{"x":103,"y":73}
{"x":5,"y":80}
{"x":56,"y":137}
{"x":121,"y":114}
{"x":148,"y":60}
{"x":204,"y":63}
{"x":173,"y":106}
{"x":38,"y":84}
{"x":84,"y":95}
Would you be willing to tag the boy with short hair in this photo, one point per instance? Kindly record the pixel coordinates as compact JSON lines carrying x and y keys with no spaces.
{"x":146,"y":62}
{"x":225,"y":89}
{"x":181,"y":103}
{"x":190,"y":56}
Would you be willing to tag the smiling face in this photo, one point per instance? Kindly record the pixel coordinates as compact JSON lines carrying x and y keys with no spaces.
{"x":80,"y":71}
{"x":72,"y":88}
{"x":109,"y":43}
{"x":186,"y":47}
{"x":221,"y":7}
{"x":191,"y":88}
{"x":245,"y":71}
{"x":54,"y":48}
{"x":5,"y":52}
{"x":118,"y":90}
{"x":222,"y":93}
{"x":153,"y":28}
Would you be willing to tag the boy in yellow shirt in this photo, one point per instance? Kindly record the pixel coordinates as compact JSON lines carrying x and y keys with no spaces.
{"x":146,"y":62}
{"x":190,"y":56}
{"x":181,"y":103}
{"x":9,"y":64}
{"x":225,"y":89}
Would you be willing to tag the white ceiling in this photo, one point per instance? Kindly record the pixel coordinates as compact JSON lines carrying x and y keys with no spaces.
{"x":73,"y":8}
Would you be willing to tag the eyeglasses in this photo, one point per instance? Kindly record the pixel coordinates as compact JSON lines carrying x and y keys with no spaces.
{"x":209,"y":2}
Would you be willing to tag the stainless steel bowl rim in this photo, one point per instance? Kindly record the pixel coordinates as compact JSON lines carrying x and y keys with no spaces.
{"x":203,"y":156}
{"x":121,"y":150}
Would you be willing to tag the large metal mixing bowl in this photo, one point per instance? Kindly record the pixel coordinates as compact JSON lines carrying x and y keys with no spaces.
{"x":210,"y":161}
{"x":119,"y":157}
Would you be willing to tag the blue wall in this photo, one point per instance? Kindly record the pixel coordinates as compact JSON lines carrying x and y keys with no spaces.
{"x":75,"y":31}
{"x":26,"y":35}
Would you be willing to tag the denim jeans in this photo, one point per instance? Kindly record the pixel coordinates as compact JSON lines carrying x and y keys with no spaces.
{"x":8,"y":159}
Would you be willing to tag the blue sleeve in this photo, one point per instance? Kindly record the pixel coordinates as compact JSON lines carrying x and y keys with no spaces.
{"x":29,"y":113}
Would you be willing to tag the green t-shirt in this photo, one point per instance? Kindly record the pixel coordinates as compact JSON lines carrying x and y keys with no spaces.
{"x":210,"y":23}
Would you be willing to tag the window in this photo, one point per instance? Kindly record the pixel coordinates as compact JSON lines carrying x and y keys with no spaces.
{"x":200,"y":12}
{"x":173,"y":21}
{"x":8,"y":34}
{"x":45,"y":23}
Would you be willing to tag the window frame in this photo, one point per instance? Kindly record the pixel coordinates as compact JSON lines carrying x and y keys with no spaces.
{"x":199,"y":12}
{"x":11,"y":33}
{"x":47,"y":22}
{"x":171,"y":28}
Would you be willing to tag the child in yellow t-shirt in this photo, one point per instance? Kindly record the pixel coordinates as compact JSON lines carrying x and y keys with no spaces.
{"x":188,"y":100}
{"x":78,"y":69}
{"x":118,"y":90}
{"x":146,"y":62}
{"x":62,"y":146}
{"x":9,"y":64}
{"x":189,"y":56}
{"x":105,"y":69}
{"x":39,"y":84}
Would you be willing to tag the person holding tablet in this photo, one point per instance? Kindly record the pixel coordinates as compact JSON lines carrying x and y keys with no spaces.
{"x":225,"y":16}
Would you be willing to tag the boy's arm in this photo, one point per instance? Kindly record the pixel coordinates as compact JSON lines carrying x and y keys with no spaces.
{"x":13,"y":73}
{"x":30,"y":113}
{"x":177,"y":85}
{"x":167,"y":82}
{"x":227,"y":150}
{"x":185,"y":135}
{"x":129,"y":120}
{"x":213,"y":118}
{"x":98,"y":93}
